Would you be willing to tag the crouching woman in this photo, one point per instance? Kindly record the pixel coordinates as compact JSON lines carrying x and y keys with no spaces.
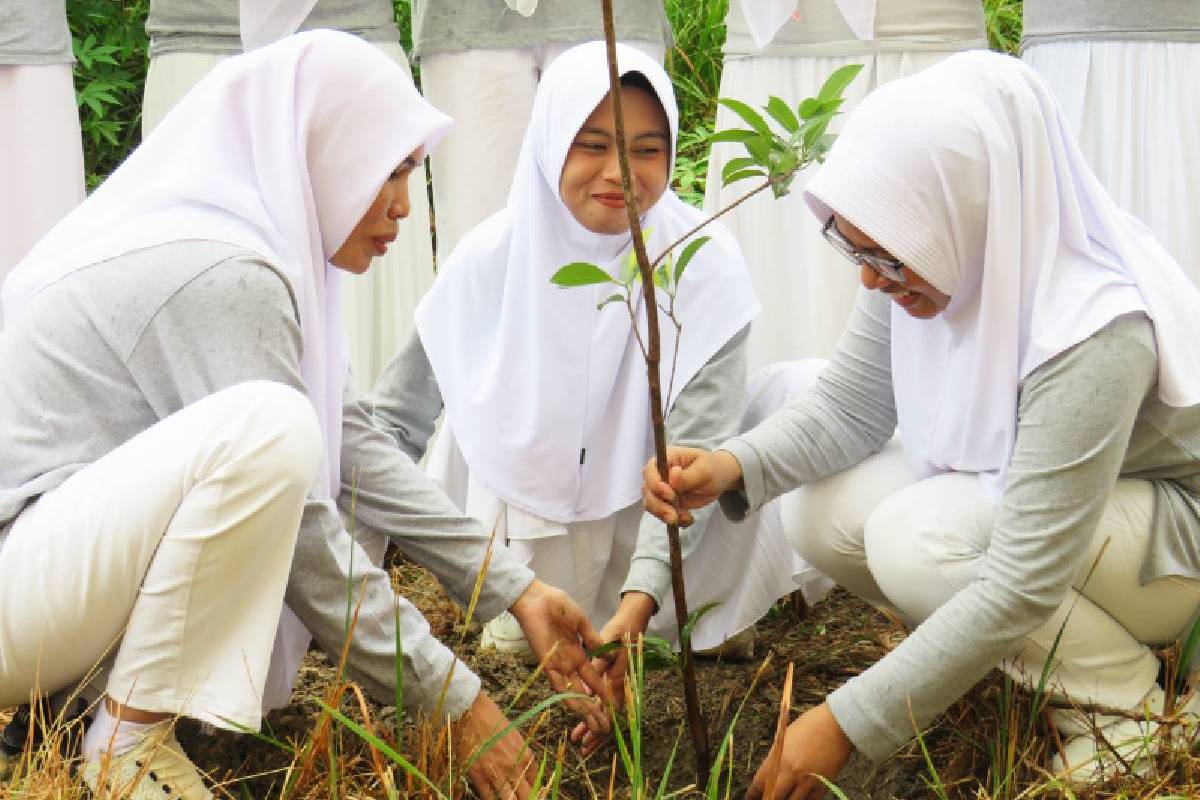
{"x":1034,"y":346}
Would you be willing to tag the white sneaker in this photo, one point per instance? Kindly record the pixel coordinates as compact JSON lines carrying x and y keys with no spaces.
{"x":504,"y":634}
{"x":157,"y":769}
{"x":1085,"y":760}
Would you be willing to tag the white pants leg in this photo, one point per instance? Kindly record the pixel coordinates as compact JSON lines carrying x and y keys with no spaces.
{"x":178,"y":544}
{"x":41,"y":156}
{"x":489,"y":93}
{"x":912,"y":547}
{"x":378,"y":306}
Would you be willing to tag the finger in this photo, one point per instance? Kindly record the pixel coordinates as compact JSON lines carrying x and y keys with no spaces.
{"x":593,"y":743}
{"x":755,"y":792}
{"x":579,"y":733}
{"x":663,"y":510}
{"x":686,"y":518}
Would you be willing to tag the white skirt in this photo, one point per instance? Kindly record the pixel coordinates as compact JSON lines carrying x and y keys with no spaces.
{"x":745,"y":567}
{"x":1135,"y":109}
{"x":377,"y":307}
{"x":805,"y":287}
{"x":41,"y":156}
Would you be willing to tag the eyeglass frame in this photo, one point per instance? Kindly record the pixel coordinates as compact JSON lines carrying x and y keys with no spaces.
{"x":886,"y":266}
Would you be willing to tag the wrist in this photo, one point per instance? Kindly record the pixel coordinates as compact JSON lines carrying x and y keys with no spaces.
{"x":528,"y":598}
{"x":730,"y":471}
{"x":636,"y":609}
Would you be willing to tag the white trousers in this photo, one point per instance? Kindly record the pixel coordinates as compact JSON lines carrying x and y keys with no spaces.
{"x":1135,"y":109}
{"x":805,"y":287}
{"x":176,"y":546}
{"x":377,"y":307}
{"x":912,"y":545}
{"x":489,"y":93}
{"x":41,"y":156}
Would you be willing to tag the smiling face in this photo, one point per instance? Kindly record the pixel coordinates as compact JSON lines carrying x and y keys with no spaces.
{"x":916,"y":295}
{"x":378,"y":226}
{"x":590,"y":184}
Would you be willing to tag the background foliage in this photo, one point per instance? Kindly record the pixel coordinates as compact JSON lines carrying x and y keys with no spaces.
{"x":112,"y":52}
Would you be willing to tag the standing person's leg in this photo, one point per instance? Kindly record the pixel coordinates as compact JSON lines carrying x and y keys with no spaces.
{"x":177,"y":544}
{"x":41,"y":156}
{"x":1133,"y":108}
{"x":489,"y":93}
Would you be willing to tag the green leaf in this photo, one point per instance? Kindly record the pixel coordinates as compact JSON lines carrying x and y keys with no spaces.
{"x":660,"y":276}
{"x":686,"y":256}
{"x":808,"y":107}
{"x":735,"y":164}
{"x":612,"y":298}
{"x":760,"y":149}
{"x":580,"y":273}
{"x":694,"y":617}
{"x":732,"y":135}
{"x":836,"y":83}
{"x":782,"y":114}
{"x":752,"y":117}
{"x":745,"y":173}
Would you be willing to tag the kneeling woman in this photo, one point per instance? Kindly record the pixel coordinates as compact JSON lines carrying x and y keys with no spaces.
{"x":545,"y":393}
{"x":1036,"y":348}
{"x":171,"y":394}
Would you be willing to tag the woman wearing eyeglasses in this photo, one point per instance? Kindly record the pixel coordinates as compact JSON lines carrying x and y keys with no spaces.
{"x":1033,"y":345}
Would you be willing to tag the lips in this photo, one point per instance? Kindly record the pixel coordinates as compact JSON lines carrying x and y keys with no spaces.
{"x":906,"y":300}
{"x":381,"y":242}
{"x":610,"y":199}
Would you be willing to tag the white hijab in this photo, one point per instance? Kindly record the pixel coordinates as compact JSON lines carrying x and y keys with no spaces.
{"x":280,"y":151}
{"x":765,"y":18}
{"x":968,"y":173}
{"x":533,"y":374}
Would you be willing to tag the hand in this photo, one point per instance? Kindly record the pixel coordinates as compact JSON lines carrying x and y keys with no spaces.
{"x":560,"y":635}
{"x":507,"y":770}
{"x":814,"y":743}
{"x":629,"y":622}
{"x":697,"y":477}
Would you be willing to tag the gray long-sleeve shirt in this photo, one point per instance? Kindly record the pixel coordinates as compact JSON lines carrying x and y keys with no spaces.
{"x":112,"y":349}
{"x":1047,"y":21}
{"x":34,"y":32}
{"x":1085,"y":418}
{"x":407,"y":403}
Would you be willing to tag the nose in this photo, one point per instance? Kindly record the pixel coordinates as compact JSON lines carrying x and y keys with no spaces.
{"x":612,"y":167}
{"x":871,"y":279}
{"x":400,"y":207}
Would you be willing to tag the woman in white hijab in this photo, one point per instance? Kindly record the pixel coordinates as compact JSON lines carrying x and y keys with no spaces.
{"x":169,"y":343}
{"x":1035,"y":346}
{"x":547,"y":414}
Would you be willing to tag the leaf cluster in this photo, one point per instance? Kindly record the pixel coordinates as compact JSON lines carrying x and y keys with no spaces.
{"x":804,"y":139}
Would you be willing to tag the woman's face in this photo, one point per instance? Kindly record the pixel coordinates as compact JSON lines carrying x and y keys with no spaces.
{"x":590,"y":184}
{"x":916,"y":295}
{"x":379,"y":226}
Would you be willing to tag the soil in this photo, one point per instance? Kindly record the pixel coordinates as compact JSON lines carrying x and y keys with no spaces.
{"x":827,"y":644}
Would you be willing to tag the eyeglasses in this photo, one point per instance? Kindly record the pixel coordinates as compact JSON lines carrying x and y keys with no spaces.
{"x":886,"y":266}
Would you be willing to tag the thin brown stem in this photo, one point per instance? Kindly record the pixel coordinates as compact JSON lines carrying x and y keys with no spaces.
{"x":653,"y":344}
{"x":717,"y":215}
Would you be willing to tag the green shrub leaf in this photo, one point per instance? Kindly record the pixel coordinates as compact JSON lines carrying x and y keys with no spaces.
{"x":782,"y":114}
{"x":836,"y":83}
{"x":752,"y":117}
{"x":580,"y":273}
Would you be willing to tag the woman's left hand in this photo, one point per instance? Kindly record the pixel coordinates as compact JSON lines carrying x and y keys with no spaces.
{"x":814,"y":744}
{"x":560,"y":635}
{"x":629,"y":622}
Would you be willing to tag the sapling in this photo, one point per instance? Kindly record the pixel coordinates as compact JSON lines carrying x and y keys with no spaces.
{"x":772,"y":156}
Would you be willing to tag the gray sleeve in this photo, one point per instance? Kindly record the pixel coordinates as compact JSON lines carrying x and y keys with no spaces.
{"x":706,"y":412}
{"x":1074,"y":419}
{"x":406,"y":400}
{"x":200,"y":342}
{"x":848,"y":415}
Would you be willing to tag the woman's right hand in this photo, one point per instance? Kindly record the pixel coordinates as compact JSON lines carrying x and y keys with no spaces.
{"x":507,"y":770}
{"x":697,"y":477}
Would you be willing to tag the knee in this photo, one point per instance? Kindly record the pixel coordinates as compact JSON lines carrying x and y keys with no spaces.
{"x":822,"y":526}
{"x":290,"y":441}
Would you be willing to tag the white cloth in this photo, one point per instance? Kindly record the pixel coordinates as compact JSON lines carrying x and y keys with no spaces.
{"x":968,"y":174}
{"x":177,"y":545}
{"x":279,"y":161}
{"x":766,"y":17}
{"x":378,"y":307}
{"x":744,"y":566}
{"x":806,"y":288}
{"x":1134,"y":107}
{"x":265,"y":21}
{"x":913,"y":545}
{"x":533,"y":375}
{"x":41,"y":156}
{"x":489,"y":93}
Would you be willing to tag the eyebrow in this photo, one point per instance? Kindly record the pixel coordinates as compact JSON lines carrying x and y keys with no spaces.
{"x":648,"y":135}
